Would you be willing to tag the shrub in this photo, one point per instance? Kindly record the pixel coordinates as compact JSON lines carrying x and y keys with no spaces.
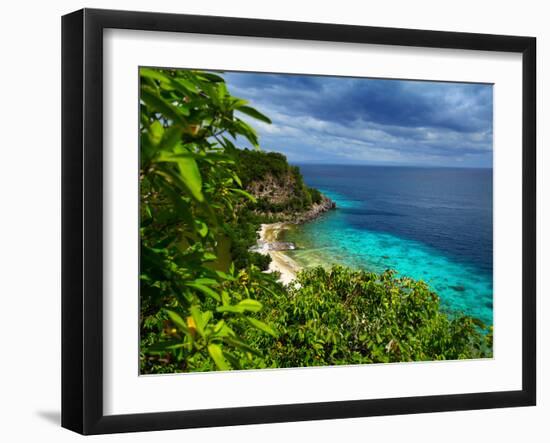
{"x":341,"y":316}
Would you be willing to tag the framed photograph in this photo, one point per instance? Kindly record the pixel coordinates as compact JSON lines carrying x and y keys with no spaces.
{"x":269,"y":221}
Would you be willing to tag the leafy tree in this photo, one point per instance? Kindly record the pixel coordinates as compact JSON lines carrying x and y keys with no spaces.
{"x":189,"y":190}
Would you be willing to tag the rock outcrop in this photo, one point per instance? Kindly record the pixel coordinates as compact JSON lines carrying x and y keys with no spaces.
{"x":315,"y":211}
{"x":279,"y":188}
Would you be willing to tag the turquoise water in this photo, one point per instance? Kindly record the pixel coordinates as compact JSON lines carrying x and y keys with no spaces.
{"x":462,"y":279}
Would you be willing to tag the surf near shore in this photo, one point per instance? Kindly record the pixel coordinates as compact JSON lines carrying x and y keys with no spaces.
{"x":269,"y":244}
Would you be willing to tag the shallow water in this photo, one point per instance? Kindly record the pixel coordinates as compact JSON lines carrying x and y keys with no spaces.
{"x":433,"y":224}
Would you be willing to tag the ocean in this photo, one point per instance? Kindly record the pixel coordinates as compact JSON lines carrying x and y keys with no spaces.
{"x":434,"y":224}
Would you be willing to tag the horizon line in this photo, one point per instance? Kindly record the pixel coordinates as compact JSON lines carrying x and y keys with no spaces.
{"x":387,"y":165}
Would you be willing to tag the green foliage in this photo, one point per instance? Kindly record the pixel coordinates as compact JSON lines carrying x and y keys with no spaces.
{"x":204,"y":302}
{"x":189,"y":191}
{"x":243,"y":234}
{"x":344,"y":317}
{"x":316,"y":196}
{"x":256,"y":165}
{"x":258,"y":168}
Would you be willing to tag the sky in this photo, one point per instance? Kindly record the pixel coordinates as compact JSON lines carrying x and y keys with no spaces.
{"x":341,"y":120}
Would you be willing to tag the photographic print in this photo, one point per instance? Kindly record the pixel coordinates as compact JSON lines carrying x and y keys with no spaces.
{"x":302,"y":220}
{"x":312,"y":232}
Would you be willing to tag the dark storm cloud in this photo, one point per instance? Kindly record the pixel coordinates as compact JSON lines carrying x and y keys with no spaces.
{"x":336,"y":119}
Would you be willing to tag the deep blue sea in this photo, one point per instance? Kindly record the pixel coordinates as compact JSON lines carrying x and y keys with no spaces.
{"x":434,"y":224}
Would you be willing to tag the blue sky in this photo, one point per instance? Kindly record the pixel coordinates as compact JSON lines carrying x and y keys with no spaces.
{"x":339,"y":120}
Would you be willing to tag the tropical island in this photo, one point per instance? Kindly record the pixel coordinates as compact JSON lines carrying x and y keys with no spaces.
{"x":211,"y":216}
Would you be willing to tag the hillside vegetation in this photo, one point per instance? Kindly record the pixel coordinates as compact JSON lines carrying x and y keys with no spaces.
{"x":280,"y":194}
{"x":276,"y":185}
{"x":204,"y":302}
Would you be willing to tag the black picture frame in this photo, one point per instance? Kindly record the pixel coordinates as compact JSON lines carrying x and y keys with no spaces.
{"x":82,"y":218}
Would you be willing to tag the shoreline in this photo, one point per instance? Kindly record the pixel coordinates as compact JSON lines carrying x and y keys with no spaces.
{"x":268,"y":244}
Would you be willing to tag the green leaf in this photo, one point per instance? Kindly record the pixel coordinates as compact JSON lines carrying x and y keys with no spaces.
{"x":205,"y":290}
{"x":219,"y":326}
{"x":158,"y":104}
{"x":201,"y":319}
{"x":191,"y":176}
{"x":225,"y":276}
{"x":254,"y":113}
{"x":202,"y":228}
{"x":242,"y":307}
{"x":228,"y":144}
{"x":171,"y":138}
{"x":184,"y":86}
{"x":155,"y":74}
{"x":212,"y":77}
{"x":230,"y":308}
{"x":206,"y":281}
{"x":221,"y":91}
{"x":226,"y":299}
{"x":239,"y":344}
{"x":180,"y":205}
{"x":178,"y":321}
{"x":237,"y":179}
{"x":172,"y":157}
{"x":244,"y":193}
{"x":247,"y":305}
{"x":189,"y":172}
{"x":216,"y":353}
{"x":146,"y":148}
{"x":222,"y":330}
{"x":232,"y":359}
{"x":262,"y":326}
{"x":247,"y":131}
{"x":238,"y":102}
{"x":209,"y":256}
{"x":164,"y":346}
{"x":250,"y":305}
{"x":156,"y":131}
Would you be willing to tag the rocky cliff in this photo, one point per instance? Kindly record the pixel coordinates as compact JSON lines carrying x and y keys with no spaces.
{"x":285,"y":199}
{"x":279,"y":188}
{"x":315,"y":211}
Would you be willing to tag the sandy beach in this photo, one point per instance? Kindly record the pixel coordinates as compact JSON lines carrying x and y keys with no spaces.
{"x":268,"y":244}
